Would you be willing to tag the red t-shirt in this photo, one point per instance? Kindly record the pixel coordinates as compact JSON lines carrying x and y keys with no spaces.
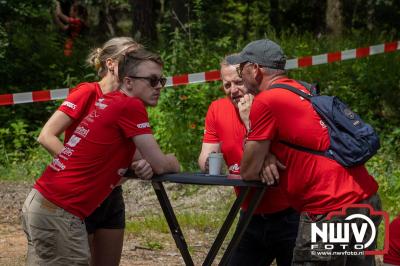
{"x":223,"y":125}
{"x":314,"y":183}
{"x":75,"y":26}
{"x":96,"y":156}
{"x":79,"y":104}
{"x":393,"y":256}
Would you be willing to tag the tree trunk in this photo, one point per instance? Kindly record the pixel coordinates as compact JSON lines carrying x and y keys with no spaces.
{"x":106,"y":20}
{"x":143,"y":20}
{"x":334,"y":19}
{"x":274,"y":16}
{"x":370,"y":15}
{"x":180,"y":15}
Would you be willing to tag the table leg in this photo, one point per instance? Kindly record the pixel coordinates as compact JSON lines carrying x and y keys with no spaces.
{"x":242,"y":225}
{"x":244,"y":191}
{"x":172,"y":222}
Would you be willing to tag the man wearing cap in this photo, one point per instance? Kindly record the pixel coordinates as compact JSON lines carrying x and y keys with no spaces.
{"x":272,"y":231}
{"x":315,"y":185}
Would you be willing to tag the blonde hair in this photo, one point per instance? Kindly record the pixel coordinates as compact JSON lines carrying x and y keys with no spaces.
{"x":114,"y":49}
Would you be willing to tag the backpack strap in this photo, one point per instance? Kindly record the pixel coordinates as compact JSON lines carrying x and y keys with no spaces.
{"x":309,"y":87}
{"x":313,"y":88}
{"x":292,"y":89}
{"x":301,"y":148}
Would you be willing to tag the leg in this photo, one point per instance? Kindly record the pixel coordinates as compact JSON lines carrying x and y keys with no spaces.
{"x":31,"y":258}
{"x":105,"y":227}
{"x":251,"y":249}
{"x":304,"y":255}
{"x":107,"y":245}
{"x":90,"y":240}
{"x":55,"y":236}
{"x":284,"y":237}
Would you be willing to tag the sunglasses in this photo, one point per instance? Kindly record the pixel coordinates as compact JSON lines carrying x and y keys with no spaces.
{"x":153,"y":80}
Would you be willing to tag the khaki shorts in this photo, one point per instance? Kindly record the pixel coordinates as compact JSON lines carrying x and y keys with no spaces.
{"x":55,"y":236}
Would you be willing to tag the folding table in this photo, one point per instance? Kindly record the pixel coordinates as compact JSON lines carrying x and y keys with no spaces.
{"x":219,"y":180}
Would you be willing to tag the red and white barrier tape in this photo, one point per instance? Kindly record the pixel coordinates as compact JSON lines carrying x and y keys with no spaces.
{"x":47,"y":95}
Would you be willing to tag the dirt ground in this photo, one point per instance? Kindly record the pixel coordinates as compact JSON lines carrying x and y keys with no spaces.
{"x":139,"y":199}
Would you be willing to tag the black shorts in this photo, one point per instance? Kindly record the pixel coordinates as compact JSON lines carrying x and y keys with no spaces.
{"x":109,"y":215}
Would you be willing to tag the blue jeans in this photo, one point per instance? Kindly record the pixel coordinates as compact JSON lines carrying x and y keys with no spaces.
{"x":268,"y":237}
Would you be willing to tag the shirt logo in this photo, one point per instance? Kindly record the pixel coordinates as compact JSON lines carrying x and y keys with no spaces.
{"x":67,"y":151}
{"x":81,"y":131}
{"x":73,"y":141}
{"x":57,"y":165}
{"x":100,"y":104}
{"x":69,"y":105}
{"x":234,"y":169}
{"x":143,"y":125}
{"x":322,"y":124}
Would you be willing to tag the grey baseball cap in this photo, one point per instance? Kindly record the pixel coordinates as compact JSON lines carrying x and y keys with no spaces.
{"x":263,"y":52}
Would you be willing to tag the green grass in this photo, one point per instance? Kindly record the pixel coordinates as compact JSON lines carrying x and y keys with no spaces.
{"x":24,"y":167}
{"x":153,"y":228}
{"x":209,"y":221}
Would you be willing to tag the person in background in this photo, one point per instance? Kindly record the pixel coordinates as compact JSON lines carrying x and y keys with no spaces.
{"x":106,"y":224}
{"x":315,"y":185}
{"x":272,"y":231}
{"x":92,"y":163}
{"x":73,"y":23}
{"x":392,"y":258}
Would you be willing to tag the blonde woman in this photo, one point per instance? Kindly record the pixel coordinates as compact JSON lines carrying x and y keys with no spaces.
{"x":106,"y":224}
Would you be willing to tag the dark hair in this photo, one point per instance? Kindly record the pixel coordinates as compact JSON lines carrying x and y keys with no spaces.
{"x":81,"y":11}
{"x":132,"y":59}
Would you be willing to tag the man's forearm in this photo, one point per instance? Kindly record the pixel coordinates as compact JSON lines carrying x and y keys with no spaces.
{"x":253,"y":159}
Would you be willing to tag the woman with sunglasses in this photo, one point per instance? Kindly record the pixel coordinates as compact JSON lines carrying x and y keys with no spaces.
{"x":107,"y":223}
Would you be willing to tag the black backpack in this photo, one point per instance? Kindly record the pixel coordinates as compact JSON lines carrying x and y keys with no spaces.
{"x":352,"y":141}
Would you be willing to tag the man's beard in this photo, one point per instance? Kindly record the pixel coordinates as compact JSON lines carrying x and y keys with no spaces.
{"x":252,"y":87}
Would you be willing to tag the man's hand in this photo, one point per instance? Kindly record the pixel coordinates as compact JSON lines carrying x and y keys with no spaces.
{"x":142,"y":169}
{"x":269,"y":173}
{"x":206,"y":164}
{"x":244,"y":106}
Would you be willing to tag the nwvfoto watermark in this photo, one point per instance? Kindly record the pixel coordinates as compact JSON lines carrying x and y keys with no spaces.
{"x":347,"y":235}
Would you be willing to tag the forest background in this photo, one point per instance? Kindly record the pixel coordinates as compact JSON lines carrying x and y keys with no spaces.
{"x":192,"y":36}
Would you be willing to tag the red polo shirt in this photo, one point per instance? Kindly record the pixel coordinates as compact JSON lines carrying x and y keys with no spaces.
{"x":96,"y":156}
{"x":223,"y":125}
{"x":314,"y":183}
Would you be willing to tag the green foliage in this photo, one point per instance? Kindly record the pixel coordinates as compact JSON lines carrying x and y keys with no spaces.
{"x":154,"y":245}
{"x":178,"y":120}
{"x":386,"y":170}
{"x":21,"y":158}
